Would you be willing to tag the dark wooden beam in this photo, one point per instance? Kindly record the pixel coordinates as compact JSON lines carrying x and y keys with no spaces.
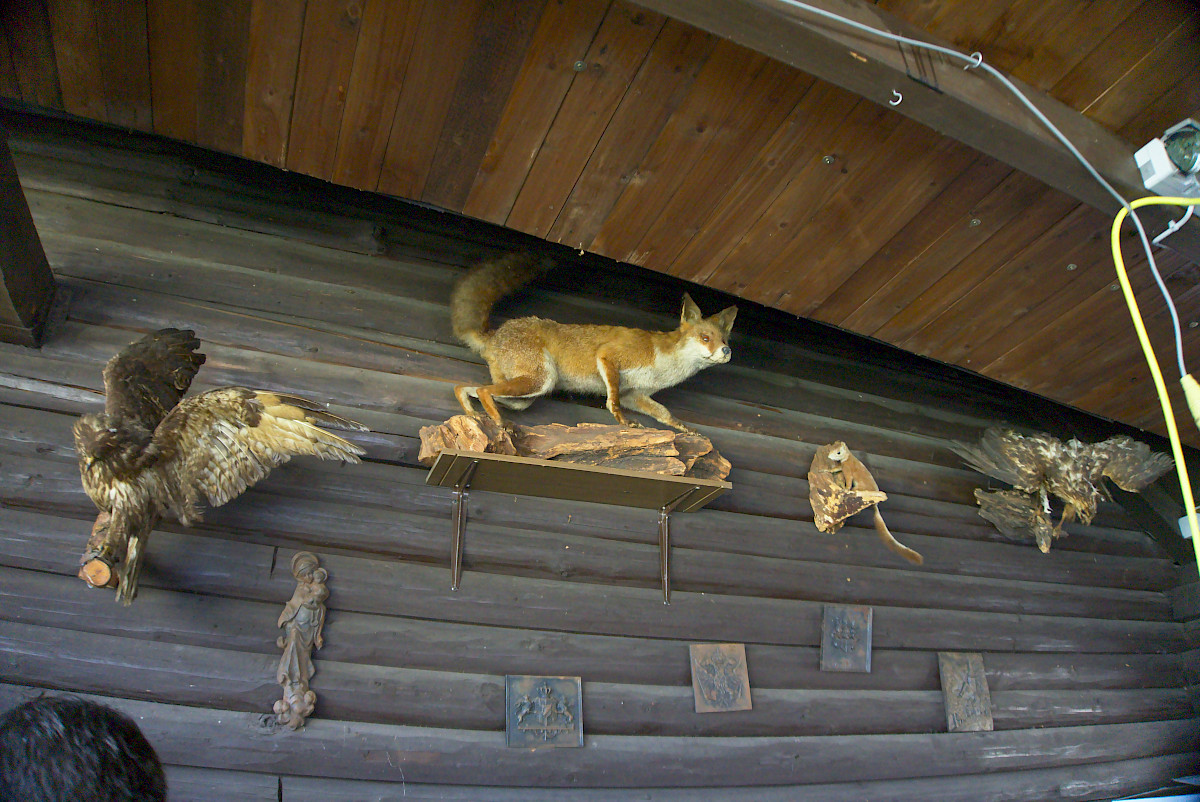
{"x":26,"y":283}
{"x":966,"y":104}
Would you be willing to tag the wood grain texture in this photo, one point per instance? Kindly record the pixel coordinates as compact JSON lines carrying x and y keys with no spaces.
{"x":1025,"y":232}
{"x":31,"y":43}
{"x":864,"y":224}
{"x":9,"y":86}
{"x":224,"y":32}
{"x":927,"y":239}
{"x":661,"y":84}
{"x":174,"y":30}
{"x":1087,"y":648}
{"x":376,"y":80}
{"x":545,"y":77}
{"x":796,"y":144}
{"x":331,"y":32}
{"x":485,"y":82}
{"x":755,"y":122}
{"x":1158,"y":71}
{"x":125,"y":63}
{"x":435,"y":64}
{"x":76,"y":36}
{"x":625,"y":761}
{"x":273,"y":53}
{"x":614,"y":57}
{"x":671,"y":150}
{"x":717,"y":90}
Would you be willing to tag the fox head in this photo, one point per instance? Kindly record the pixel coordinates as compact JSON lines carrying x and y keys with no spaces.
{"x":706,"y":337}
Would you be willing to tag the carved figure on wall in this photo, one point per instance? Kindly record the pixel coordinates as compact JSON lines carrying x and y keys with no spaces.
{"x":529,"y":357}
{"x":302,"y":621}
{"x":152,"y":453}
{"x":839,"y":486}
{"x":1041,"y":467}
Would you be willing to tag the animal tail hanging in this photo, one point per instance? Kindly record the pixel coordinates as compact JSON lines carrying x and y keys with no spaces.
{"x":893,"y":544}
{"x":477,"y":292}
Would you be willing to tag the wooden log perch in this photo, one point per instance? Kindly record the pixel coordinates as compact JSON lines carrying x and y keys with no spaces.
{"x":98,"y":564}
{"x":606,"y":445}
{"x":464,"y":433}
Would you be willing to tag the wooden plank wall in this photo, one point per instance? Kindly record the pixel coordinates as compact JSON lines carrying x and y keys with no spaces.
{"x":299,"y":286}
{"x":604,"y":127}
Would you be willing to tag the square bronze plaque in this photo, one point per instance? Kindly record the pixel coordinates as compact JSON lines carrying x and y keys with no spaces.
{"x":543,"y":711}
{"x":965,"y":691}
{"x":720,"y":681}
{"x":846,"y":638}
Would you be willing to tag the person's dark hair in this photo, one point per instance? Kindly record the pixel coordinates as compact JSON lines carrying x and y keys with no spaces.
{"x":54,"y":749}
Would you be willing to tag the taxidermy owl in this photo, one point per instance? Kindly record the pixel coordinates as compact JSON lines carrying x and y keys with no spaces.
{"x":151,"y":454}
{"x":1040,"y":466}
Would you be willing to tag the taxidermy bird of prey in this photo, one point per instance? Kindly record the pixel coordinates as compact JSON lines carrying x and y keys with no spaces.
{"x":151,"y":454}
{"x":1041,"y":466}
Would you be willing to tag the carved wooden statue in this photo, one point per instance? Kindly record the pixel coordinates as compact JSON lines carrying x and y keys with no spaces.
{"x":302,"y":620}
{"x":839,"y":486}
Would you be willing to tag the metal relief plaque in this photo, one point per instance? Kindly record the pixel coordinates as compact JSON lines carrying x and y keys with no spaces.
{"x":543,"y":711}
{"x":720,"y":681}
{"x":846,"y":638}
{"x":965,"y":691}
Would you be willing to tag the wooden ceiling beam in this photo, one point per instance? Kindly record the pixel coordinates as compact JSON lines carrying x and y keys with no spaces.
{"x":26,"y":282}
{"x":966,"y":104}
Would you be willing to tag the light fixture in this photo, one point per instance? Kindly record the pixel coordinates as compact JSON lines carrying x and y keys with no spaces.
{"x":1169,"y":164}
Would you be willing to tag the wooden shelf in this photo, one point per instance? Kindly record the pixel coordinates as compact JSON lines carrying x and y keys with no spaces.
{"x":528,"y":476}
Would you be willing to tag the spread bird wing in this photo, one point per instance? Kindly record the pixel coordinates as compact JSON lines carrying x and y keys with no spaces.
{"x":1131,"y":465}
{"x":1011,"y":457}
{"x":217,"y":444}
{"x":146,"y":379}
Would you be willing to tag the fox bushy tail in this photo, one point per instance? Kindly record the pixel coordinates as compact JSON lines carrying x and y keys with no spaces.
{"x":477,"y":292}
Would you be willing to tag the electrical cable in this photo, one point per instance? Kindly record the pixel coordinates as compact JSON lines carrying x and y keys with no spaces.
{"x":1190,"y":386}
{"x":1192,"y":392}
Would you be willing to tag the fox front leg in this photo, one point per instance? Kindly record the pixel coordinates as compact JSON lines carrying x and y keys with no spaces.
{"x":612,"y":387}
{"x":648,"y":406}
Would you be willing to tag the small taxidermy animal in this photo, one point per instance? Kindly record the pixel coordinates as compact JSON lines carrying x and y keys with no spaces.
{"x":151,"y":454}
{"x":839,"y":486}
{"x":529,"y":357}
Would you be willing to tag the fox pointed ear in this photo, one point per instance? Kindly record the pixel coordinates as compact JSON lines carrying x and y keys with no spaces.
{"x":723,"y":320}
{"x":691,"y":312}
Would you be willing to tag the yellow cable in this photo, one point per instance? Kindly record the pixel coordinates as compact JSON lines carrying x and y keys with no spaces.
{"x":1185,"y":484}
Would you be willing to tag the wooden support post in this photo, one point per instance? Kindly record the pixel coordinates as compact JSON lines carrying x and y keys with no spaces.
{"x":461,"y":488}
{"x":26,"y":283}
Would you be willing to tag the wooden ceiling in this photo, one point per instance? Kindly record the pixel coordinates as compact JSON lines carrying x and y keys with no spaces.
{"x":615,"y":129}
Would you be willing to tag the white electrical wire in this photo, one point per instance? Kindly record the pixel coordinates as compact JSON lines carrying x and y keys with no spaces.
{"x":975,"y":61}
{"x":1175,"y":225}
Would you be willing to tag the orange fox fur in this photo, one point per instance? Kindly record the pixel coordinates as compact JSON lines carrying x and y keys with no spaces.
{"x":529,"y":357}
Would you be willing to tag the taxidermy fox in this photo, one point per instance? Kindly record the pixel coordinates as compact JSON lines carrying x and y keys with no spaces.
{"x":529,"y":357}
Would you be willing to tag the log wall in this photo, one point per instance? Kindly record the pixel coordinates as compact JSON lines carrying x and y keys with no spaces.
{"x":298,"y":286}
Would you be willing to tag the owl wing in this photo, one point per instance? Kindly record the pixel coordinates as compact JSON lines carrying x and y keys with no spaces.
{"x":1012,"y":458}
{"x":215,"y":445}
{"x":146,"y":379}
{"x":1130,"y":464}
